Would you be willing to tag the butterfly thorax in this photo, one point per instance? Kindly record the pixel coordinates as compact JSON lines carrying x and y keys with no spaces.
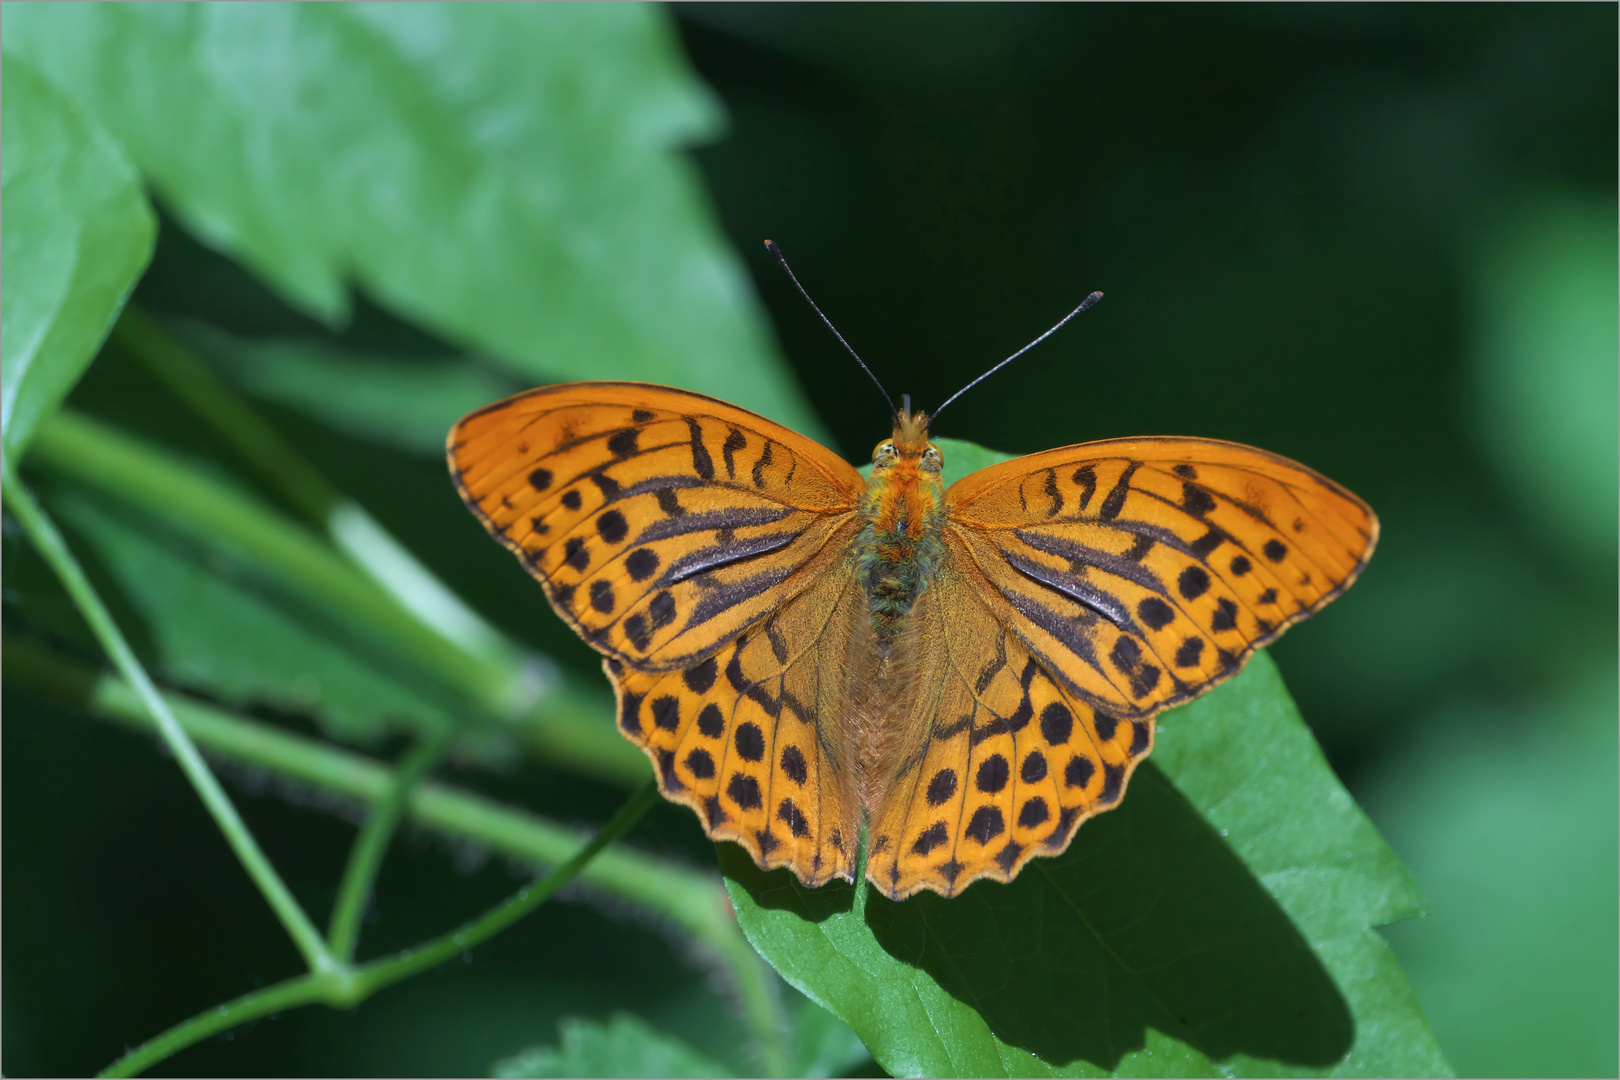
{"x":899,"y":546}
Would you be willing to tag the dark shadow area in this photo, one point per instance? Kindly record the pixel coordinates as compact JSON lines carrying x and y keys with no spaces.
{"x":1148,"y":920}
{"x":779,"y":890}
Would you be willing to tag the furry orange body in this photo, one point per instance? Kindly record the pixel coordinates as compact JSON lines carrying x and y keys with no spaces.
{"x":899,"y":546}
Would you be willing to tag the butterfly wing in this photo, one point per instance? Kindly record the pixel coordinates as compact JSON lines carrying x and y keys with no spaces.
{"x":1083,"y":590}
{"x":705,"y":552}
{"x":661,"y":523}
{"x":757,"y":739}
{"x":1142,"y":572}
{"x":993,"y":761}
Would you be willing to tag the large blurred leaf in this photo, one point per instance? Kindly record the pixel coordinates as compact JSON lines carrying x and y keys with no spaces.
{"x":1508,"y":819}
{"x":1545,"y":287}
{"x":508,"y":175}
{"x":406,"y":403}
{"x":216,"y":626}
{"x":78,"y":233}
{"x":1220,"y":920}
{"x":624,"y":1046}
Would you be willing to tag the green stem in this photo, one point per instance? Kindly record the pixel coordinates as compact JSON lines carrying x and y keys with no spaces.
{"x":566,"y":725}
{"x":278,"y":997}
{"x":369,"y":978}
{"x":688,"y":898}
{"x":365,"y":858}
{"x":347,"y":986}
{"x":43,"y":532}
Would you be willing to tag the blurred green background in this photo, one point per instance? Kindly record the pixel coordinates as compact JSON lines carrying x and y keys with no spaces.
{"x":1378,"y":239}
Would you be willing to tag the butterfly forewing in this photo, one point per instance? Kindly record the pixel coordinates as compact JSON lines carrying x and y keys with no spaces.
{"x":661,"y":523}
{"x":756,"y":739}
{"x":1141,"y":572}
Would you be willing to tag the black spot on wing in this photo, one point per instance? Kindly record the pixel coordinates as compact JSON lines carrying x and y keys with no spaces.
{"x":1275,"y":550}
{"x":941,"y":787}
{"x":931,"y":838}
{"x":1195,"y":500}
{"x":1115,"y":502}
{"x":794,"y":817}
{"x":612,"y":527}
{"x":1033,"y":771}
{"x":759,"y":466}
{"x":702,"y":463}
{"x":622,"y":444}
{"x":986,"y":824}
{"x":540,"y":479}
{"x":1057,"y":722}
{"x":630,"y":714}
{"x":1155,"y":612}
{"x":793,"y":765}
{"x":992,"y":775}
{"x":642,"y":564}
{"x":735,"y":441}
{"x":1086,"y":477}
{"x":666,"y":713}
{"x":1033,"y":813}
{"x":744,"y":791}
{"x":750,"y":742}
{"x":700,"y":677}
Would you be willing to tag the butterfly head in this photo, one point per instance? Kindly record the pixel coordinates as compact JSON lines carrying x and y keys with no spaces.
{"x":908,"y":449}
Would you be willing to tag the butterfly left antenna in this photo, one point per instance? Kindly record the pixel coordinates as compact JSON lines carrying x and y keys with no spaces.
{"x":770,"y":245}
{"x":1084,"y":304}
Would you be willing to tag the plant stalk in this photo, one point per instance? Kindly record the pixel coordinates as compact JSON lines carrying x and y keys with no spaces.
{"x":45,"y":536}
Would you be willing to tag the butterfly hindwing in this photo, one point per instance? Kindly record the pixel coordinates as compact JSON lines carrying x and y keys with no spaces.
{"x":756,"y":739}
{"x":1141,"y":572}
{"x":994,"y":761}
{"x":661,"y":522}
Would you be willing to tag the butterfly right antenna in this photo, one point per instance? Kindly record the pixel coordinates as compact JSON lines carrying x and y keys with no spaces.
{"x":1087,"y":302}
{"x":770,"y":245}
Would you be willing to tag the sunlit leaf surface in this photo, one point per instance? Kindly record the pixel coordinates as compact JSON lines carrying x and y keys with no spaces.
{"x":78,"y":233}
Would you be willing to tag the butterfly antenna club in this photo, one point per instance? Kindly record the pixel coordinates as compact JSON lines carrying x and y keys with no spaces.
{"x":770,"y":245}
{"x":1084,"y":304}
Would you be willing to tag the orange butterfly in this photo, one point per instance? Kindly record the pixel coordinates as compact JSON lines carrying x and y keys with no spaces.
{"x":967,"y":673}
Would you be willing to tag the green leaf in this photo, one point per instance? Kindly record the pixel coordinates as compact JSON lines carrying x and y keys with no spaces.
{"x":408,"y":404}
{"x":216,"y":625}
{"x":510,"y":176}
{"x":823,"y":1045}
{"x":78,"y":234}
{"x":1219,"y":920}
{"x":624,"y":1046}
{"x":1507,"y":815}
{"x":1545,"y":287}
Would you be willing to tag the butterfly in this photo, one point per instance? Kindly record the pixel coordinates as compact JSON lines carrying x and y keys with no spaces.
{"x":966,"y":674}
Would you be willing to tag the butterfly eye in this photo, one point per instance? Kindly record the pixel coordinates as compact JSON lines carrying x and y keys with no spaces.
{"x":883,"y":452}
{"x":932,"y":460}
